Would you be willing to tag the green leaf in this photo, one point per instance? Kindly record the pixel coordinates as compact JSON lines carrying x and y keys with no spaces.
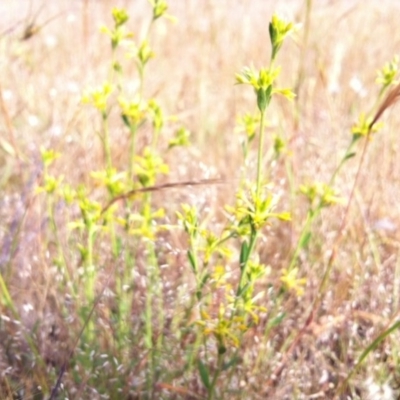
{"x":181,"y":138}
{"x":268,"y":94}
{"x":204,"y":375}
{"x":126,"y":121}
{"x":204,"y":280}
{"x":350,"y":155}
{"x":244,"y":253}
{"x":305,"y":240}
{"x":375,"y":343}
{"x":277,"y":320}
{"x":262,"y":99}
{"x":118,"y":246}
{"x":233,"y":362}
{"x":244,"y":289}
{"x":221,"y":349}
{"x":117,"y":67}
{"x":192,"y":260}
{"x":272,"y":34}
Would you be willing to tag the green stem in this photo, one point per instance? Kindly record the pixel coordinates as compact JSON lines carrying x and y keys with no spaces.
{"x":254,"y":233}
{"x":89,"y":283}
{"x":89,"y":264}
{"x":218,"y":370}
{"x":132,"y":151}
{"x":346,"y":156}
{"x":60,"y":251}
{"x":141,"y":81}
{"x":300,"y":243}
{"x":314,"y":213}
{"x":243,"y":267}
{"x":154,"y":293}
{"x":6,"y":297}
{"x":125,"y":294}
{"x":106,"y":141}
{"x":260,"y":156}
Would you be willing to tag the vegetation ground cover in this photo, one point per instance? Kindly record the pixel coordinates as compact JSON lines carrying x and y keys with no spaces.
{"x":199,"y":200}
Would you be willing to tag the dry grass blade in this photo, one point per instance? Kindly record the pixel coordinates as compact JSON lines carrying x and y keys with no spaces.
{"x":13,"y":149}
{"x":163,"y":186}
{"x":390,"y":100}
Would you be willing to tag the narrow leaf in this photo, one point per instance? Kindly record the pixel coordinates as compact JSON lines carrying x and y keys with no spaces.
{"x":231,"y":363}
{"x":349,"y":155}
{"x":126,"y":121}
{"x":244,"y":253}
{"x":277,"y":320}
{"x":192,"y":260}
{"x":375,"y":343}
{"x":262,"y":100}
{"x":306,"y":239}
{"x":204,"y":375}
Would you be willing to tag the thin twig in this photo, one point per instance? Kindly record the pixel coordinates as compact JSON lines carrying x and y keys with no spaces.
{"x":163,"y":186}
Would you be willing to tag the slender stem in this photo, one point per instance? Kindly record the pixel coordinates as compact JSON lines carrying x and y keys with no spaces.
{"x":260,"y":156}
{"x":254,"y":233}
{"x":60,"y":251}
{"x":89,"y":280}
{"x":141,"y":81}
{"x":306,"y":230}
{"x":211,"y":390}
{"x":106,"y":142}
{"x":313,"y":213}
{"x":89,"y":263}
{"x":243,"y":267}
{"x":132,"y":150}
{"x":321,"y":289}
{"x":343,"y":160}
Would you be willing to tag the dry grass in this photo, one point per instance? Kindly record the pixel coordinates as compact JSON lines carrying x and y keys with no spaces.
{"x":41,"y":82}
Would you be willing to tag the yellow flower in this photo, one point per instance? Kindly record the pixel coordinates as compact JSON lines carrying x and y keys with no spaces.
{"x":98,"y":97}
{"x":291,"y":282}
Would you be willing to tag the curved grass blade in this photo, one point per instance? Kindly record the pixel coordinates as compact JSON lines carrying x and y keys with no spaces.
{"x":376,"y":342}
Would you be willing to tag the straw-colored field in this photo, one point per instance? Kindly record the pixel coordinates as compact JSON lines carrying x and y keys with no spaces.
{"x":150,"y":248}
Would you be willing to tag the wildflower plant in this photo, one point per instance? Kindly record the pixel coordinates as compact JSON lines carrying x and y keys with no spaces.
{"x":236,"y":309}
{"x":388,"y":75}
{"x":321,"y":195}
{"x":144,"y":167}
{"x":227,"y":313}
{"x":135,"y":225}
